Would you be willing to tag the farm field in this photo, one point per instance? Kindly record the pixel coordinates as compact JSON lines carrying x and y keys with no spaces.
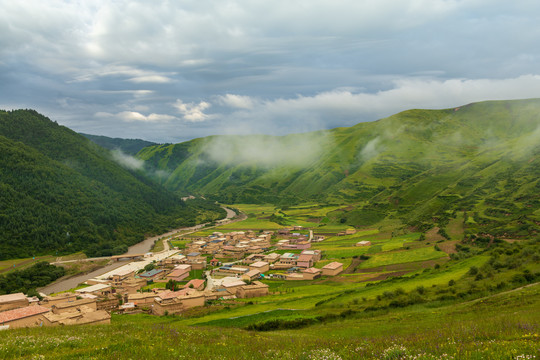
{"x":402,"y":284}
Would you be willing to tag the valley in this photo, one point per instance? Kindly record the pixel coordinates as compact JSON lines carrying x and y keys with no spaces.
{"x":402,"y":286}
{"x":353,"y":242}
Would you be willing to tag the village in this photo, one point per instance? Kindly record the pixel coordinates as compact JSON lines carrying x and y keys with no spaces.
{"x":218,"y":267}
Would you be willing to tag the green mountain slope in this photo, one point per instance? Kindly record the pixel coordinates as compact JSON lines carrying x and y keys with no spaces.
{"x":61,"y":193}
{"x":128,"y":146}
{"x":418,"y":166}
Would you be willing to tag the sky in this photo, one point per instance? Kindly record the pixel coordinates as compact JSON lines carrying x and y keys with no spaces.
{"x":170,"y":71}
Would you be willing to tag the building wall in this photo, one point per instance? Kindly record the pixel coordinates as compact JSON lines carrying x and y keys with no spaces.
{"x":330,"y":272}
{"x":171,"y":308}
{"x":250,"y":293}
{"x":13,"y":305}
{"x":140,"y":301}
{"x":261,"y":269}
{"x":30,"y":321}
{"x":308,"y":276}
{"x":107,"y":304}
{"x":198,"y":265}
{"x":92,"y":305}
{"x":58,"y":300}
{"x":179,"y":277}
{"x":192,"y":302}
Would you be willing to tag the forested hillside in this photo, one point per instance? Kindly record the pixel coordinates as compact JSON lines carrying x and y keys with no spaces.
{"x":418,"y":166}
{"x":61,"y":193}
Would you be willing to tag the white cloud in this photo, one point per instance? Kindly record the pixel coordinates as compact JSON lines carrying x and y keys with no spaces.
{"x":130,"y":73}
{"x":267,"y":151}
{"x":134,"y":116}
{"x":407,"y":93}
{"x":305,"y":64}
{"x":158,"y":79}
{"x":135,"y":93}
{"x":236,"y":101}
{"x":193,"y":112}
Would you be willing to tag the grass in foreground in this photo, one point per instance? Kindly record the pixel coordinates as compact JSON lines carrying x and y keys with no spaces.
{"x":504,"y":326}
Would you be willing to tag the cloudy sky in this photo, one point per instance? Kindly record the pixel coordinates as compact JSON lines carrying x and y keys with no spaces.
{"x":170,"y":71}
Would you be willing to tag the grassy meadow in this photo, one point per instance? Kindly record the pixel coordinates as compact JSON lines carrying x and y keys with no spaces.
{"x":409,"y":295}
{"x":504,"y":326}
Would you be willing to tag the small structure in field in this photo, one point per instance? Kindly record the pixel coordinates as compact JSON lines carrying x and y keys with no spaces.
{"x":311,"y":273}
{"x":255,"y":289}
{"x":363,"y":243}
{"x":332,"y":269}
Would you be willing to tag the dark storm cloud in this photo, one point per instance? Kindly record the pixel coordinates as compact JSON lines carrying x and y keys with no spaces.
{"x":171,"y":71}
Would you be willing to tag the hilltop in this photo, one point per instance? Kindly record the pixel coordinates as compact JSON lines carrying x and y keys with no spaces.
{"x":128,"y":146}
{"x":418,"y":166}
{"x":61,"y":193}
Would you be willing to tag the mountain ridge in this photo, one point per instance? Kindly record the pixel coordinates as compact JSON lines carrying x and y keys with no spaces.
{"x":63,"y":193}
{"x":414,"y":165}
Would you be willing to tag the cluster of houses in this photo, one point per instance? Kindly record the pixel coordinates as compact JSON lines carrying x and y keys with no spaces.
{"x":250,"y":260}
{"x":18,"y":310}
{"x":233,"y":245}
{"x":253,"y":260}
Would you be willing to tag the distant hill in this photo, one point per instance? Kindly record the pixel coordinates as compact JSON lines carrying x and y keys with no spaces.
{"x":419,"y":167}
{"x":62,"y":193}
{"x":128,"y":146}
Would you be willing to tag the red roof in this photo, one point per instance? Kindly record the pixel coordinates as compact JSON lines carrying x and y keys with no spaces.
{"x":22,"y":313}
{"x":178,"y":272}
{"x":195,"y":282}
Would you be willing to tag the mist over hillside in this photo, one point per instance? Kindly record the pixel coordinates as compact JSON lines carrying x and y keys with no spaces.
{"x":61,"y":193}
{"x":416,"y":166}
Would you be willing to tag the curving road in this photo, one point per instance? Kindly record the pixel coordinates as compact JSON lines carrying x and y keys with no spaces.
{"x":140,"y":248}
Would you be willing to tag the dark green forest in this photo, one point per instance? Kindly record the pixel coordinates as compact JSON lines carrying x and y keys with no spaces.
{"x":31,"y":278}
{"x":61,"y":193}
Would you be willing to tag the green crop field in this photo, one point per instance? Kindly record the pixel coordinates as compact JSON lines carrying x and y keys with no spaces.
{"x":402,"y":256}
